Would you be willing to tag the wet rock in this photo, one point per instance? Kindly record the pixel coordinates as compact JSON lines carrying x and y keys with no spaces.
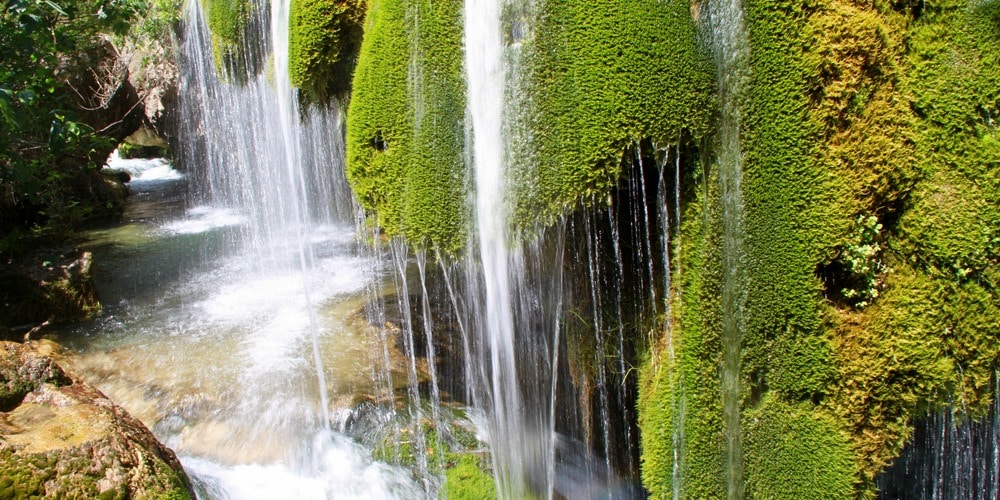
{"x":60,"y":437}
{"x":46,"y":287}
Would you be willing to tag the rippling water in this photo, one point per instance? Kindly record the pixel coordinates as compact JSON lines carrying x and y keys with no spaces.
{"x":210,"y":346}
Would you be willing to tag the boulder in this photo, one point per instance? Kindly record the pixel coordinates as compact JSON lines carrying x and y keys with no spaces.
{"x":61,"y":437}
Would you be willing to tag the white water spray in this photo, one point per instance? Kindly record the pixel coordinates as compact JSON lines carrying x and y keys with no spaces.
{"x":486,"y":77}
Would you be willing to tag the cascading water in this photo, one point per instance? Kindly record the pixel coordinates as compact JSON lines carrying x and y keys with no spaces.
{"x":236,"y":332}
{"x":950,"y":455}
{"x":486,"y":85}
{"x":730,"y":48}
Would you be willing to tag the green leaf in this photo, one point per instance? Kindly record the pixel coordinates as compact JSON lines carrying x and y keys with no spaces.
{"x":56,"y":8}
{"x":6,"y":111}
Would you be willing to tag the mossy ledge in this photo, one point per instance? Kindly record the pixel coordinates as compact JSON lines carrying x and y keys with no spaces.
{"x":231,"y":23}
{"x":601,"y":78}
{"x":405,"y":124}
{"x":590,"y":86}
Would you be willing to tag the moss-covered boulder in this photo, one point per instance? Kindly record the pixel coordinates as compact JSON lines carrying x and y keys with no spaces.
{"x":60,"y":437}
{"x":405,"y":125}
{"x":324,"y":37}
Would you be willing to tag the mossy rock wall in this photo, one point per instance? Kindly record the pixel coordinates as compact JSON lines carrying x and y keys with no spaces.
{"x":588,"y":86}
{"x":405,"y":125}
{"x":869,"y":243}
{"x":870,"y":214}
{"x":324,"y":37}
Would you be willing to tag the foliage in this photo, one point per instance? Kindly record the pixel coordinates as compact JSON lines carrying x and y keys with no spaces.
{"x":864,"y":262}
{"x":46,"y":146}
{"x":323,"y":41}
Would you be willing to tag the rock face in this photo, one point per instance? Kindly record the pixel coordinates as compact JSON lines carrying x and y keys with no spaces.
{"x":60,"y":437}
{"x":45,"y":286}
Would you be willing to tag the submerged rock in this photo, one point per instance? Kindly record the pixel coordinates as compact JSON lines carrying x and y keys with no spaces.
{"x":61,"y":437}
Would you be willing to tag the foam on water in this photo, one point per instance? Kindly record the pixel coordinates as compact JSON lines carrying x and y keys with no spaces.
{"x":144,"y":170}
{"x":344,"y":470}
{"x":203,"y":219}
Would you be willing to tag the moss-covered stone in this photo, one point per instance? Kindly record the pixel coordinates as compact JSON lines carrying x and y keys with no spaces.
{"x":64,"y":439}
{"x":405,"y":126}
{"x":868,"y":131}
{"x":795,"y":451}
{"x":589,"y":85}
{"x":680,"y":409}
{"x":229,"y":22}
{"x":323,"y":41}
{"x":600,"y":78}
{"x":466,"y":477}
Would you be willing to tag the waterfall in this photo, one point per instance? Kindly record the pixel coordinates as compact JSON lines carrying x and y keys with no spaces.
{"x":730,"y":49}
{"x":253,"y":152}
{"x":484,"y":59}
{"x":950,"y":455}
{"x":289,"y":257}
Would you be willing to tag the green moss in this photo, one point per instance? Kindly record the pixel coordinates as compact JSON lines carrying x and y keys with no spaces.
{"x":323,"y":41}
{"x":228,"y":21}
{"x":929,"y":340}
{"x":680,"y":402}
{"x":405,"y":128}
{"x":467,"y":477}
{"x":952,"y":225}
{"x":594,"y":83}
{"x":794,"y":451}
{"x":601,"y":78}
{"x":790,"y":205}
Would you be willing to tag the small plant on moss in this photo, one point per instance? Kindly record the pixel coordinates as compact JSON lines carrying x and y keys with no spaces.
{"x":862,"y":259}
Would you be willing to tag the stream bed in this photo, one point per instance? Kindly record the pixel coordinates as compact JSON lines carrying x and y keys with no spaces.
{"x":210,"y":346}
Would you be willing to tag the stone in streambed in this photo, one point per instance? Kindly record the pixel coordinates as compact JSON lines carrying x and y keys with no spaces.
{"x":60,"y":437}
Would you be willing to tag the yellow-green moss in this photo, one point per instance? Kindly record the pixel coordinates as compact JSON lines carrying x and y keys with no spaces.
{"x":228,"y":21}
{"x":323,"y":40}
{"x":830,"y":139}
{"x":405,"y":126}
{"x":466,"y":477}
{"x":795,"y":451}
{"x":601,"y":77}
{"x":679,"y":403}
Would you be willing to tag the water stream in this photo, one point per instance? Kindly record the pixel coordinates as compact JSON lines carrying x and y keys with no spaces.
{"x":731,"y":50}
{"x":236,"y":293}
{"x":486,"y":79}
